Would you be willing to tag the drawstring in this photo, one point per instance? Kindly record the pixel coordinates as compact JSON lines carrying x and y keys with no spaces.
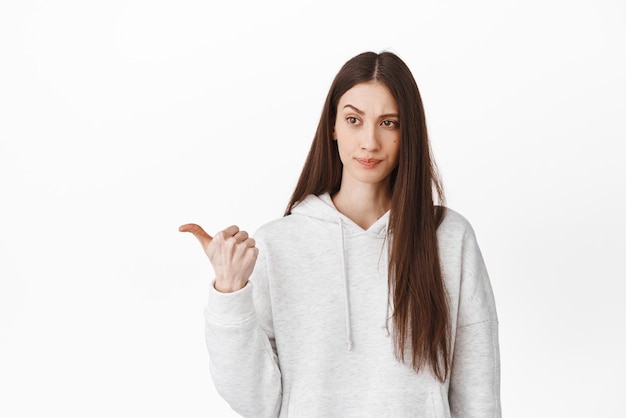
{"x":346,"y":290}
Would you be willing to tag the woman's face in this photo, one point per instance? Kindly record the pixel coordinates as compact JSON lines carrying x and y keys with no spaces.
{"x":367,"y":131}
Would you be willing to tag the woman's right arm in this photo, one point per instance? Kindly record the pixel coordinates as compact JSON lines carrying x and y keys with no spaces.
{"x":239,"y":330}
{"x":243,"y":363}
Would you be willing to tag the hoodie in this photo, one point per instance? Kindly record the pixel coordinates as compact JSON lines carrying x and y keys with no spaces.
{"x":309,"y":335}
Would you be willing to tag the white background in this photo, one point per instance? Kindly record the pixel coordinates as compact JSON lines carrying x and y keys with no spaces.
{"x":121,"y":120}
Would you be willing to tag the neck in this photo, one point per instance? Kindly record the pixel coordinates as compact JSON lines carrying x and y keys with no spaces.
{"x":363,"y":205}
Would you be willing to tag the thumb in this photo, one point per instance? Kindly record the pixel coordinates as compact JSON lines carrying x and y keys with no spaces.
{"x":198,"y":232}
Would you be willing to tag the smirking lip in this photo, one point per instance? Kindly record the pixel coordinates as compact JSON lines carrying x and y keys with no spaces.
{"x":368,"y":162}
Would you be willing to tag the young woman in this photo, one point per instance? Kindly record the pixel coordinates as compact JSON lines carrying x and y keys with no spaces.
{"x":368,"y":298}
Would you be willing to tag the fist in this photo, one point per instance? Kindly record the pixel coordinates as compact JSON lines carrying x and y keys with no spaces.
{"x":232,"y":254}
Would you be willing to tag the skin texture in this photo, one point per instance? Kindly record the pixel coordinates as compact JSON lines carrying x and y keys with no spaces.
{"x":367,"y":132}
{"x":231,"y":252}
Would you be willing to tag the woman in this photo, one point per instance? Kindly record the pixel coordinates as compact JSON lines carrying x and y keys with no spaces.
{"x":366,"y":299}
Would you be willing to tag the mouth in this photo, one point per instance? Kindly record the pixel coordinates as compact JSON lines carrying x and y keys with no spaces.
{"x":368,"y":162}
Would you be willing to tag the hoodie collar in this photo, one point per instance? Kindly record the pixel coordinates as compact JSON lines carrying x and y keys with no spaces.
{"x":322,"y":207}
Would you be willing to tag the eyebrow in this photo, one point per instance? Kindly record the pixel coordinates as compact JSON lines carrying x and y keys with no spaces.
{"x":360,"y":112}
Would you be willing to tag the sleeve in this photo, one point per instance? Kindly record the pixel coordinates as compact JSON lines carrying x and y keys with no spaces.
{"x":240,"y":342}
{"x":475,"y":373}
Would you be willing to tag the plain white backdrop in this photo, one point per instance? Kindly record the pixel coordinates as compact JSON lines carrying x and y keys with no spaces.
{"x":121,"y":120}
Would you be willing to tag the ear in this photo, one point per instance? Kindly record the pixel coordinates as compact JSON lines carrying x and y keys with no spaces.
{"x":334,"y":134}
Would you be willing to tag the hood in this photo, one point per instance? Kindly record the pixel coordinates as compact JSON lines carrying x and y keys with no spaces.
{"x":322,"y":208}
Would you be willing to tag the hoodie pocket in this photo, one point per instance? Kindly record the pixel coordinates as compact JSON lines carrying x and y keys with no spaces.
{"x":381,"y":403}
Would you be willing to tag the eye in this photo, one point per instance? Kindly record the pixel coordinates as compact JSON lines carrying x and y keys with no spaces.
{"x":390,"y":124}
{"x":352,"y":120}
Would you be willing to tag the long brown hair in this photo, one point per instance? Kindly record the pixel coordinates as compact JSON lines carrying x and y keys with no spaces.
{"x":421,"y":315}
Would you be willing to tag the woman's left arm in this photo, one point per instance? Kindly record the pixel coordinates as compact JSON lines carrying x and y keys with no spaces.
{"x":475,"y":373}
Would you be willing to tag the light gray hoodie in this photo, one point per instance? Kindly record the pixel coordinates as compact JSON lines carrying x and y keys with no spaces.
{"x":309,"y":334}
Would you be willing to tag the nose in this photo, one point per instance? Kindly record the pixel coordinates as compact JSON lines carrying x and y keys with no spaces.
{"x":369,"y":139}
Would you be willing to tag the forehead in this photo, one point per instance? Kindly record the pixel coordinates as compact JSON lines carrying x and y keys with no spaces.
{"x":372,"y":96}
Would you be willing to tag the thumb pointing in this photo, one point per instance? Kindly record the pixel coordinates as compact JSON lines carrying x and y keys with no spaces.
{"x":198,"y":232}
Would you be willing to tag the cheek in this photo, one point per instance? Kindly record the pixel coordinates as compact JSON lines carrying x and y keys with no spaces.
{"x":396,"y":148}
{"x":341,"y":148}
{"x":339,"y":131}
